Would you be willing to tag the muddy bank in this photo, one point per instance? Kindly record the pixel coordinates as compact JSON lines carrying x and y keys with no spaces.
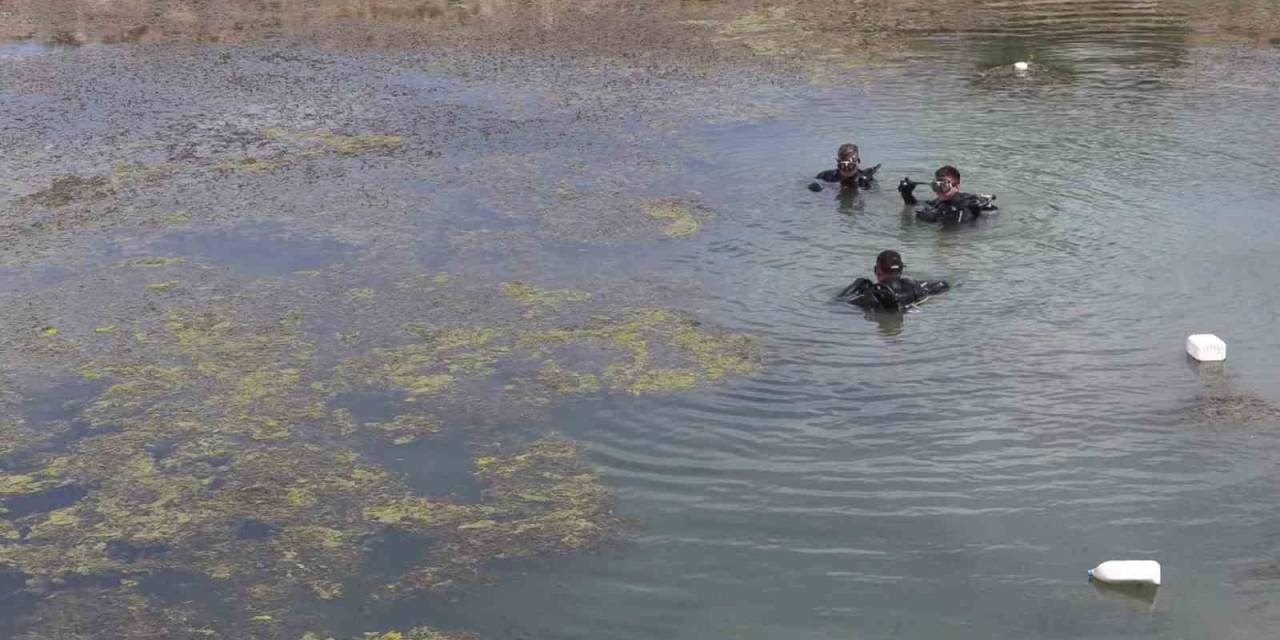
{"x":806,"y":33}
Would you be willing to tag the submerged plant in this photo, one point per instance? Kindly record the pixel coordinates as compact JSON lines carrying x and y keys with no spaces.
{"x":680,"y":218}
{"x":212,"y":449}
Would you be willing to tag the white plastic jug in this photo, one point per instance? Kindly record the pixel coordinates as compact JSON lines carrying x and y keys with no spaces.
{"x":1127,"y":571}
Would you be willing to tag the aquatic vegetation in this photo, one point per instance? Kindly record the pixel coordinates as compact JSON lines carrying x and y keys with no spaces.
{"x":132,"y":173}
{"x":118,"y":613}
{"x":416,"y":633}
{"x":564,"y":382}
{"x":167,"y":285}
{"x":529,"y":295}
{"x":148,"y":262}
{"x":17,"y":436}
{"x":353,"y":145}
{"x":770,"y":33}
{"x":646,"y":351}
{"x":682,"y":221}
{"x":22,"y":484}
{"x":175,"y":219}
{"x":431,"y":366}
{"x":1235,"y":409}
{"x":322,"y":142}
{"x":211,"y":447}
{"x":645,"y":339}
{"x":213,"y":453}
{"x":68,"y":189}
{"x":542,"y":499}
{"x":250,"y":164}
{"x":405,"y":428}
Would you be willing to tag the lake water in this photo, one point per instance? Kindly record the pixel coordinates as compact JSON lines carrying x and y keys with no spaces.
{"x":950,"y":473}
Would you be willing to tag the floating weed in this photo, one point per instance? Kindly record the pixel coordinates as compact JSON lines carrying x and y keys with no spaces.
{"x":250,"y":164}
{"x":68,"y":189}
{"x":650,"y":350}
{"x":681,"y":220}
{"x":119,"y":612}
{"x":1233,"y":409}
{"x":167,"y":285}
{"x":567,"y":382}
{"x":212,"y":449}
{"x":531,"y":296}
{"x":416,"y":633}
{"x":405,"y":429}
{"x":175,"y":219}
{"x":149,"y":262}
{"x":424,"y":281}
{"x":105,"y":329}
{"x":16,"y":436}
{"x":24,"y":484}
{"x":131,"y":173}
{"x":543,"y":499}
{"x":358,"y":295}
{"x":325,"y":142}
{"x":355,"y":145}
{"x":639,"y":336}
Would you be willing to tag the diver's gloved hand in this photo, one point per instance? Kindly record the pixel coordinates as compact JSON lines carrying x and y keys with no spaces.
{"x":905,"y":187}
{"x":815,"y":187}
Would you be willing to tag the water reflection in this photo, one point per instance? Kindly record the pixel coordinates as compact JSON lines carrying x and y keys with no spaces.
{"x":849,"y":202}
{"x":1139,"y":597}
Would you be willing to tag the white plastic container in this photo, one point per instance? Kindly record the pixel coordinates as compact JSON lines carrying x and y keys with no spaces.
{"x":1021,"y":66}
{"x":1206,"y":347}
{"x":1127,"y":572}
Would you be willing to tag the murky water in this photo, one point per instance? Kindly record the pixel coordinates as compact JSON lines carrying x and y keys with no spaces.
{"x":950,"y":473}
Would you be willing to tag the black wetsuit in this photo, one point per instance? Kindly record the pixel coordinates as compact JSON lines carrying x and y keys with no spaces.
{"x":861,"y":179}
{"x":892,"y":293}
{"x":962,"y":207}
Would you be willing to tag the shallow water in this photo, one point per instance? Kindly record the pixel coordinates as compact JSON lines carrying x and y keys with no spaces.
{"x":950,"y":473}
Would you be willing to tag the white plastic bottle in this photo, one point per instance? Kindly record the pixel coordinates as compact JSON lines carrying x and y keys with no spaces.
{"x":1127,"y":572}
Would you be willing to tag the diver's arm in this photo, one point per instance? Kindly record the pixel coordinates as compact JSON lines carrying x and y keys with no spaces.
{"x":929,"y":212}
{"x":830,"y":175}
{"x":985,"y":202}
{"x":931,"y":287}
{"x":854,"y":290}
{"x":867,"y":176}
{"x":905,"y":188}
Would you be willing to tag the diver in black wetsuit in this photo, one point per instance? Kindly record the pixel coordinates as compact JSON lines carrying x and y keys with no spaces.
{"x":952,"y":206}
{"x":847,"y":172}
{"x":891,"y":291}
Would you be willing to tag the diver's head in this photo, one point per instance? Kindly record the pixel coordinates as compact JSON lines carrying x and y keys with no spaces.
{"x":946,"y":182}
{"x":847,"y":159}
{"x":888,"y":263}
